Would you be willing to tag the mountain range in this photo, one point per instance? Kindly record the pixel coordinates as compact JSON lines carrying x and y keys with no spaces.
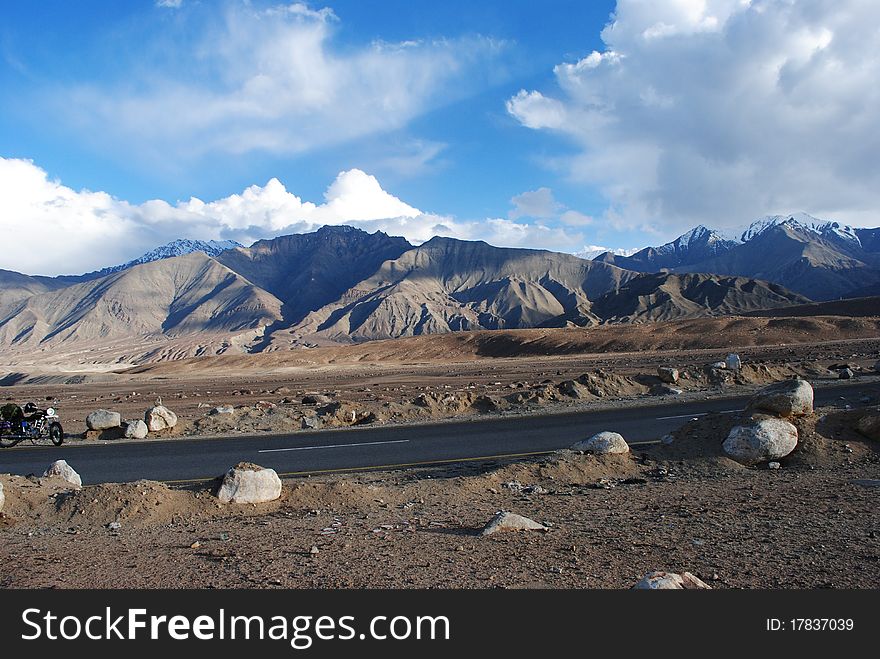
{"x":341,"y":285}
{"x":822,"y":260}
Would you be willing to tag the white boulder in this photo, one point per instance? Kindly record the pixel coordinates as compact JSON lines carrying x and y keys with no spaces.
{"x":761,"y":440}
{"x":249,"y":483}
{"x":671,"y":581}
{"x":103,"y":420}
{"x":787,"y":398}
{"x":136,"y":429}
{"x":603,"y":443}
{"x":505,"y":521}
{"x":159,"y":418}
{"x":63,"y":470}
{"x":2,"y":498}
{"x":733,"y":362}
{"x":222,"y":409}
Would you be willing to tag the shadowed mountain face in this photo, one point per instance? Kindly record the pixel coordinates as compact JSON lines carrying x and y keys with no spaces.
{"x":451,"y":285}
{"x":308,"y":271}
{"x":666,"y":296}
{"x":820,"y":260}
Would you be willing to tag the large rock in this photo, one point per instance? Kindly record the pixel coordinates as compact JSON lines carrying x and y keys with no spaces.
{"x":733,"y":362}
{"x":869,"y":426}
{"x":249,"y":483}
{"x":667,"y":374}
{"x":505,"y":521}
{"x":2,"y":498}
{"x":159,"y":418}
{"x":103,"y":420}
{"x":602,"y":443}
{"x":761,"y":440}
{"x":136,"y":429}
{"x":671,"y":581}
{"x":788,"y":398}
{"x":63,"y":470}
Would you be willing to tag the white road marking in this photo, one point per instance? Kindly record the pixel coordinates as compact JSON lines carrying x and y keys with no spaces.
{"x":311,"y":448}
{"x":691,"y":416}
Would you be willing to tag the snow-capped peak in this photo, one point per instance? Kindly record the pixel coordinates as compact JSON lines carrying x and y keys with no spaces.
{"x":169,"y":250}
{"x":801,"y":221}
{"x":184,"y":246}
{"x":590,"y":252}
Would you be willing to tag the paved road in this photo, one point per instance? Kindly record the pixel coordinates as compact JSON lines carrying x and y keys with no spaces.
{"x":389,"y":447}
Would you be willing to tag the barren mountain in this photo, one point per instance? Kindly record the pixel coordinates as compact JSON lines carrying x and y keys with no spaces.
{"x":449,"y":285}
{"x":185,"y":295}
{"x":307,"y":271}
{"x":16,"y":286}
{"x":822,"y":260}
{"x":666,"y":296}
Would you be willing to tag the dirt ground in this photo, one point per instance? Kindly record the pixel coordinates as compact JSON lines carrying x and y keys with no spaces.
{"x":262,"y":400}
{"x":678,"y":507}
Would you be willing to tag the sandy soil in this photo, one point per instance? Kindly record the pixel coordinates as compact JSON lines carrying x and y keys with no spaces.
{"x":613,"y":518}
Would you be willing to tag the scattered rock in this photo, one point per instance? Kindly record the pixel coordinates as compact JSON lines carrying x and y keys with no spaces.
{"x":718,"y":365}
{"x":311,"y":423}
{"x":573,"y":389}
{"x":787,"y":398}
{"x":136,"y":429}
{"x":159,"y":418}
{"x":222,"y":409}
{"x":671,"y":581}
{"x":103,"y":420}
{"x":65,"y":471}
{"x":316,"y":399}
{"x":602,"y":443}
{"x":763,"y":439}
{"x":505,"y":521}
{"x":665,"y":390}
{"x":869,"y":426}
{"x":733,"y":362}
{"x":667,"y":439}
{"x":314,"y":550}
{"x":668,"y":374}
{"x":249,"y":483}
{"x":774,"y":466}
{"x":845,"y":374}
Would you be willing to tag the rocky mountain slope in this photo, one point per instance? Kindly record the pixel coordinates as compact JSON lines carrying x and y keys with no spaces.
{"x":308,"y":271}
{"x":185,"y":295}
{"x":822,"y":260}
{"x":449,"y":285}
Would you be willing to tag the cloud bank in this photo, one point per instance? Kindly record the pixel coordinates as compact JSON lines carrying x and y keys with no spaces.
{"x":716,"y":111}
{"x":271,"y":81}
{"x":69,"y":232}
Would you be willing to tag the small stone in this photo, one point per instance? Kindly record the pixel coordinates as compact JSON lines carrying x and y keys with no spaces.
{"x":670,"y":581}
{"x":195,"y":545}
{"x":774,"y":465}
{"x":505,"y":521}
{"x":314,"y":550}
{"x":114,"y":526}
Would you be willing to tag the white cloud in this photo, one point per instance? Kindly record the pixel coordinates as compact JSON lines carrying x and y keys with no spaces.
{"x":169,"y":4}
{"x":80,"y":231}
{"x":538,"y":203}
{"x":271,"y":81}
{"x":719,"y":111}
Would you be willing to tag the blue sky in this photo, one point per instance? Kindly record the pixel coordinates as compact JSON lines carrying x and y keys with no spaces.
{"x":558,"y":124}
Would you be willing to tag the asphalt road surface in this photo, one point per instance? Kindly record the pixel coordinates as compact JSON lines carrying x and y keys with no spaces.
{"x":389,"y":447}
